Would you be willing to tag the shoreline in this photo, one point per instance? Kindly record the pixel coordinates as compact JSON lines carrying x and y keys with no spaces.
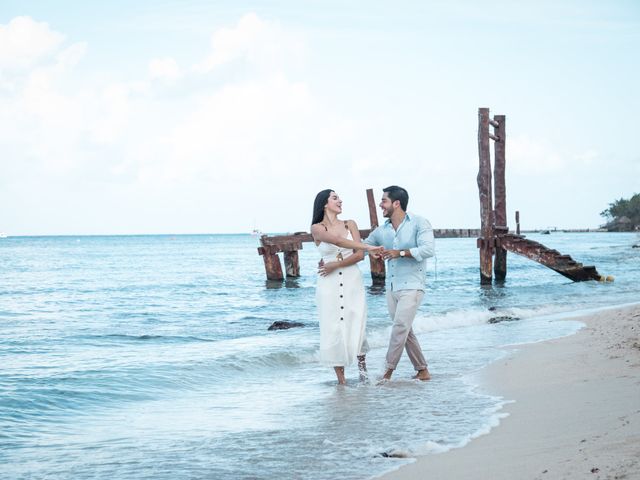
{"x":572,"y":409}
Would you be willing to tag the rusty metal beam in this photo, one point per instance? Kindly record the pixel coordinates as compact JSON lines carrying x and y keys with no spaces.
{"x":563,"y":264}
{"x":285,"y":243}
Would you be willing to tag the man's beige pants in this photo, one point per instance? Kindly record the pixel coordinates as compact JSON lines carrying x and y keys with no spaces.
{"x":403,"y":305}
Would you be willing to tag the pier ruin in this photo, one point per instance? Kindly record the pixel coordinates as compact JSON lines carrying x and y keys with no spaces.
{"x":493,"y":237}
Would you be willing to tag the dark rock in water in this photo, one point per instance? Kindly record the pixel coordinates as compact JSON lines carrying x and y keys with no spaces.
{"x":492,"y":309}
{"x":636,"y":245}
{"x":503,"y":318}
{"x":394,"y":454}
{"x":284,"y":325}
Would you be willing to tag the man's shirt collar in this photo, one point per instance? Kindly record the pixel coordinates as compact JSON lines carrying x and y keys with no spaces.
{"x":407,"y":218}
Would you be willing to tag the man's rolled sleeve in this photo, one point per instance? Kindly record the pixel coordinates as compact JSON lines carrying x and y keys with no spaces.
{"x":374,"y":238}
{"x":424,"y":239}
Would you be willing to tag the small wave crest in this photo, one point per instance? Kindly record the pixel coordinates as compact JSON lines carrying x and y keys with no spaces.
{"x":122,"y":337}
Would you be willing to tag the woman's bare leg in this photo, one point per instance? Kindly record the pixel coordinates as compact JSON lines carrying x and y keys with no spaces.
{"x":362,"y":368}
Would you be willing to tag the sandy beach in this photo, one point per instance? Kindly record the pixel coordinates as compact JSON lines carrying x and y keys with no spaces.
{"x":575,"y":411}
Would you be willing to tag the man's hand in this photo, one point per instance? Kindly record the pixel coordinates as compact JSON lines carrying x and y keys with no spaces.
{"x":325,"y":269}
{"x":389,"y":254}
{"x":375,"y":252}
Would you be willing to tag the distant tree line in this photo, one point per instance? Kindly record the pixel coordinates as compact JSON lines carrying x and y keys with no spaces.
{"x":623,"y":214}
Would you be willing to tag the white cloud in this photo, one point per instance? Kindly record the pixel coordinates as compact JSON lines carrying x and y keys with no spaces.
{"x":587,"y":158}
{"x":159,"y":136}
{"x":24,"y":41}
{"x":536,"y":157}
{"x":71,"y":56}
{"x":526,"y":156}
{"x":164,"y":68}
{"x":254,"y":40}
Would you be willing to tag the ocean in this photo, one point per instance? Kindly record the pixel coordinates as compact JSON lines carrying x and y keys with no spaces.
{"x":148,"y":357}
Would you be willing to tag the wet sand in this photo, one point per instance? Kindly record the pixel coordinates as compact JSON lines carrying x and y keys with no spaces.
{"x":576,"y":410}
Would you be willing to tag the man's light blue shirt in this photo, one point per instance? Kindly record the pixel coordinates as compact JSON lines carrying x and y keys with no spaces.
{"x":414,"y":234}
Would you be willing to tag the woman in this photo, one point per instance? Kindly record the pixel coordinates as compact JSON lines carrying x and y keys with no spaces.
{"x":340,"y":292}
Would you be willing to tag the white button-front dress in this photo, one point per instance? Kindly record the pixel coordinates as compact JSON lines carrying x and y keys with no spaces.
{"x":342,"y":309}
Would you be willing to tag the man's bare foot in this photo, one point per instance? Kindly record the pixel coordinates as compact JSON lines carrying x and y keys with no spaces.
{"x":340,"y":374}
{"x":385,"y":378}
{"x":423,"y":375}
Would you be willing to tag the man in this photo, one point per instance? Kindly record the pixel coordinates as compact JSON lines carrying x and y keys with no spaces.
{"x":408,"y":242}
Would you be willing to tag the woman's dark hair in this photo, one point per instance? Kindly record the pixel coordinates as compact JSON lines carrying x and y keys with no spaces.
{"x":318,"y":205}
{"x":397,"y":193}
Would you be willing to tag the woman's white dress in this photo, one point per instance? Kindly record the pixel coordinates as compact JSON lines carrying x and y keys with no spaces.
{"x":342,"y":309}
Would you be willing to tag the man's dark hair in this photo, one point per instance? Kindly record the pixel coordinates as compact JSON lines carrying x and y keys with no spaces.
{"x":397,"y":193}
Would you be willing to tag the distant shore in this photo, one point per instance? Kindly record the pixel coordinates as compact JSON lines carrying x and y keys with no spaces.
{"x":576,"y":412}
{"x":569,"y":230}
{"x":438,"y":232}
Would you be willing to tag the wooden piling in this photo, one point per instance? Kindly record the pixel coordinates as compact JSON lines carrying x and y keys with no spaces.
{"x":494,"y":233}
{"x":485,"y":242}
{"x":500,"y":196}
{"x":291,"y":263}
{"x":272,"y":265}
{"x":377,"y":264}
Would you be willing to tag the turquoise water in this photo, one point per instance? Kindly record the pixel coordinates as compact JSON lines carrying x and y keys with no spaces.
{"x":149,"y":357}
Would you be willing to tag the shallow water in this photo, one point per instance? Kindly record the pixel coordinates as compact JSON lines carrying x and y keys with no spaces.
{"x":149,"y":357}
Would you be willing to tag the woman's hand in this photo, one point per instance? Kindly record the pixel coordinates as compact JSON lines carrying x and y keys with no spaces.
{"x":325,"y":269}
{"x":374,"y":251}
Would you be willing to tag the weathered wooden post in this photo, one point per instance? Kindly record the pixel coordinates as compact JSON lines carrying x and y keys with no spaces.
{"x":291,"y":259}
{"x":377,"y":264}
{"x":291,"y":264}
{"x":494,"y":232}
{"x":500,"y":196}
{"x":485,"y":242}
{"x":271,"y":260}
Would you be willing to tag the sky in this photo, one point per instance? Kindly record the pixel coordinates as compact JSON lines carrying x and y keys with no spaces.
{"x":196,"y":116}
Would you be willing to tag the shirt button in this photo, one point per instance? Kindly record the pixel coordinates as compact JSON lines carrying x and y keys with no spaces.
{"x":340,"y":284}
{"x":341,"y":318}
{"x":342,"y":308}
{"x":340,"y":273}
{"x":341,"y":296}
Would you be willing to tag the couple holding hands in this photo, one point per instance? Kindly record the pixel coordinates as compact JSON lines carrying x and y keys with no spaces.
{"x":406,"y":241}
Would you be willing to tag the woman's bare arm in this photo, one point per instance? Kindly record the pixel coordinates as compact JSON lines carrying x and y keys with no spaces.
{"x":320,"y":234}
